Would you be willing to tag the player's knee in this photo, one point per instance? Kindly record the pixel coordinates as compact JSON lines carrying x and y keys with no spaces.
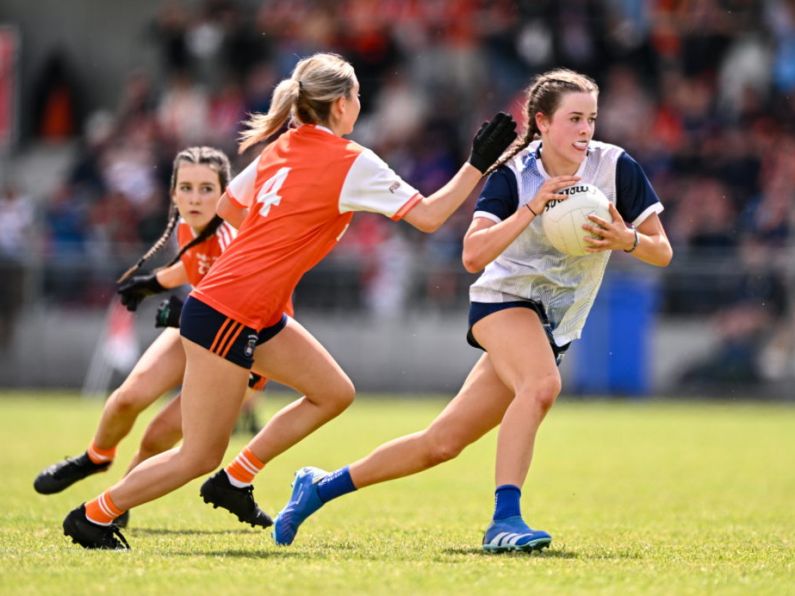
{"x":200,"y":462}
{"x":442,"y":446}
{"x":546,"y":391}
{"x":341,"y":394}
{"x":158,"y":438}
{"x":149,"y":446}
{"x":127,"y":400}
{"x":209,"y":465}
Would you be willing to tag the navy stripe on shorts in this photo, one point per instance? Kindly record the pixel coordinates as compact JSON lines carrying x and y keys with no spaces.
{"x":222,"y":335}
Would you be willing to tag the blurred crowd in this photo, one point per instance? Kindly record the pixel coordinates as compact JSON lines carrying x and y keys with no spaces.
{"x":699,"y":92}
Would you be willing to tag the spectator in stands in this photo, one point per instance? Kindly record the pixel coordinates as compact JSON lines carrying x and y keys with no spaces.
{"x":753,"y":311}
{"x":699,"y":93}
{"x":16,"y":221}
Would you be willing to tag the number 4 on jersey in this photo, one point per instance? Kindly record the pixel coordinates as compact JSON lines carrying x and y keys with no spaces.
{"x":269,"y":193}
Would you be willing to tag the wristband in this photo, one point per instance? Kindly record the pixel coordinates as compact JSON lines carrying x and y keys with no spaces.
{"x":531,"y":209}
{"x":634,"y":244}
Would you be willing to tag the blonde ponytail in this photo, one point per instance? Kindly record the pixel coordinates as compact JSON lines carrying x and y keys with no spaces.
{"x":263,"y":126}
{"x":306,"y":97}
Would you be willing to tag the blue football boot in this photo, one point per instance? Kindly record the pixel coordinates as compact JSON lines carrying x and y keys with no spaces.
{"x":304,"y":501}
{"x":511,"y":534}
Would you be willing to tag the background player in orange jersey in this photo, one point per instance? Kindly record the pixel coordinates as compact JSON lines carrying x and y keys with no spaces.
{"x":199,"y":177}
{"x":292,"y":204}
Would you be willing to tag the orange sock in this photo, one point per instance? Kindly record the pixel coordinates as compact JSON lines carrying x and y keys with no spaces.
{"x":102,"y":510}
{"x":99,"y":455}
{"x":244,"y":467}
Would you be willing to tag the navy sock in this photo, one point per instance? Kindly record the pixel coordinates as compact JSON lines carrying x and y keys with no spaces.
{"x":506,"y":501}
{"x":335,"y":484}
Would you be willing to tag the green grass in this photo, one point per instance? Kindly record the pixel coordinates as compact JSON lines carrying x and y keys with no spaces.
{"x":652,"y":497}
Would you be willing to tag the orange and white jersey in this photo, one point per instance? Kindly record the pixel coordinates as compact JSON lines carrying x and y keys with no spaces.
{"x":301,"y":193}
{"x":198,"y":259}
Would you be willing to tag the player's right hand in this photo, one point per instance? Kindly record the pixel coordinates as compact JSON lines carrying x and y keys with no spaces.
{"x":491,"y":141}
{"x":550,"y":191}
{"x":138,"y":287}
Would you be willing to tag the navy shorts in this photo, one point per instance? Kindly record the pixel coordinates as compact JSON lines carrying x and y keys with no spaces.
{"x":479,"y":310}
{"x":221,"y":335}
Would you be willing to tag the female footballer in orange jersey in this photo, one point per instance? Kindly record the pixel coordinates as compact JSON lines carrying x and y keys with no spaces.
{"x":292,"y":205}
{"x":199,"y":177}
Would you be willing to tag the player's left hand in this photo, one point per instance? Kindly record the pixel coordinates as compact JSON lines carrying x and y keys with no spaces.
{"x":491,"y":141}
{"x":138,"y":287}
{"x":608,"y":235}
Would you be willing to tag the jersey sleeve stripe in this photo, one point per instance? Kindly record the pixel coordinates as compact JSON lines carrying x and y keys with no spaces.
{"x":654,"y":208}
{"x":487,"y":215}
{"x":224,"y":236}
{"x":407,"y":206}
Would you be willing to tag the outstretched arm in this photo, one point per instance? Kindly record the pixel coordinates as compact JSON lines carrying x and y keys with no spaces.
{"x":430,"y":213}
{"x":172,"y":277}
{"x":138,"y":287}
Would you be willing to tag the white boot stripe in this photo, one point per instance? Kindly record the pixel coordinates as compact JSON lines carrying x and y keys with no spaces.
{"x":496,"y":540}
{"x":507,"y":539}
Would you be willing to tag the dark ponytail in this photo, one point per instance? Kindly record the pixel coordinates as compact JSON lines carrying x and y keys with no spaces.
{"x":173,"y":218}
{"x":208,"y":231}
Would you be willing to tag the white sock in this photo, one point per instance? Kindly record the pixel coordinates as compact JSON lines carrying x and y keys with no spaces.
{"x":235,"y":482}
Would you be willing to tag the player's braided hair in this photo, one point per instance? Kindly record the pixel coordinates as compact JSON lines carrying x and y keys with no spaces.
{"x":216,"y":160}
{"x":543,"y":97}
{"x":305,"y":97}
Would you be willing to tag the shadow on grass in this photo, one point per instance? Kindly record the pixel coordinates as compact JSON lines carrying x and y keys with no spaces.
{"x":544,"y":554}
{"x":239,"y":554}
{"x":167,"y":532}
{"x":550,"y":554}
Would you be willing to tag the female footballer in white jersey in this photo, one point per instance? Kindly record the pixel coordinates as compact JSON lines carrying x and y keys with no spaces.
{"x":528,"y":305}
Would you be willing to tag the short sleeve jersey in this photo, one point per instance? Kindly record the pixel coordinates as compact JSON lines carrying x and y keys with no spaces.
{"x":301,"y":193}
{"x":530,"y":267}
{"x":198,"y":259}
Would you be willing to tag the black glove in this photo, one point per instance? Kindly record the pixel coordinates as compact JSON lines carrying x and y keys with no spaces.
{"x":137,"y":288}
{"x":168,"y":312}
{"x":492,"y":140}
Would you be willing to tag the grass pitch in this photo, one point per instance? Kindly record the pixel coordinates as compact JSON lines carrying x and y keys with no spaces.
{"x":642,"y":497}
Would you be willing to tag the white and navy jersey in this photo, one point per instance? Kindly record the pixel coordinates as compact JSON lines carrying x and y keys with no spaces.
{"x":530,"y":267}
